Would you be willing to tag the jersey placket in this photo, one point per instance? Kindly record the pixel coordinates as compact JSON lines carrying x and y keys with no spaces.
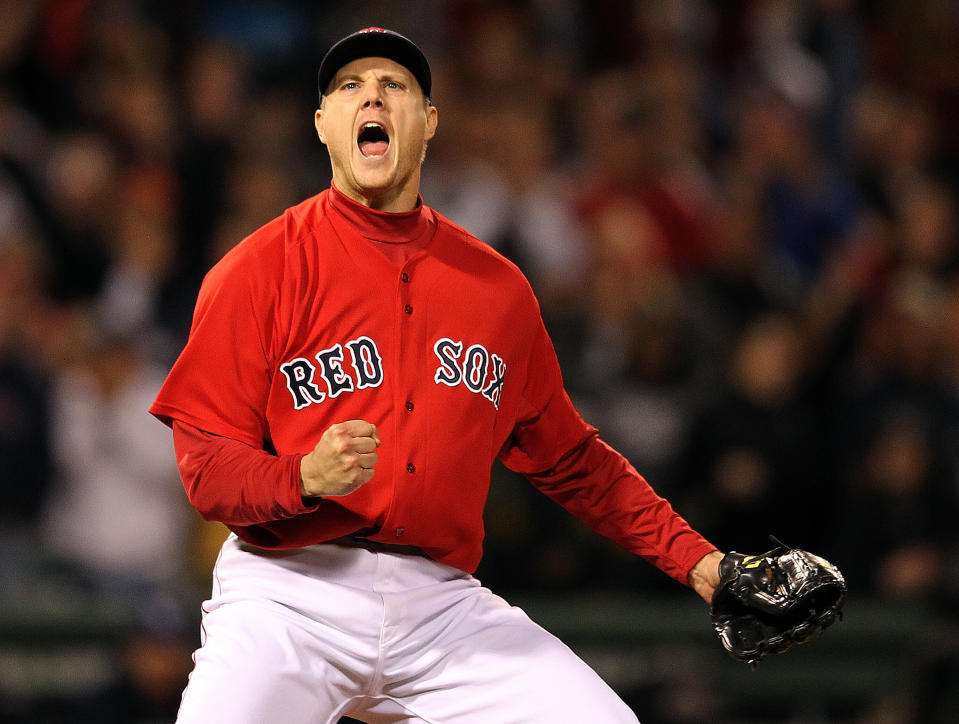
{"x":409,"y":403}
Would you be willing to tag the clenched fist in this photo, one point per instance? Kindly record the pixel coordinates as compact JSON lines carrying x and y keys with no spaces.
{"x":342,"y":460}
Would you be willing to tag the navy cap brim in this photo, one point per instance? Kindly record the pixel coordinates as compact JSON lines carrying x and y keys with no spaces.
{"x":375,"y":43}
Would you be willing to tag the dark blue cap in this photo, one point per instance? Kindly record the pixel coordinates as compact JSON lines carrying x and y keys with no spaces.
{"x":375,"y":43}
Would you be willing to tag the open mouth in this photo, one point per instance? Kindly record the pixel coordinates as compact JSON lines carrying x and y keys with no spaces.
{"x":373,"y":140}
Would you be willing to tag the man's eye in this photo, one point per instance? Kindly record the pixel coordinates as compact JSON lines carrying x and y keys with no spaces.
{"x":350,"y":85}
{"x":393,"y":85}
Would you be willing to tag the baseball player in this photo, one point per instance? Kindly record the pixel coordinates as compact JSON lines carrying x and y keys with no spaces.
{"x":353,"y":369}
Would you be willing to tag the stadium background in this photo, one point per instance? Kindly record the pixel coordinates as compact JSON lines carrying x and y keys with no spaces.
{"x":741,"y":219}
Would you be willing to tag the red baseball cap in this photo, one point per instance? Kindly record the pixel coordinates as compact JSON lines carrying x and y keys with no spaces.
{"x":375,"y":43}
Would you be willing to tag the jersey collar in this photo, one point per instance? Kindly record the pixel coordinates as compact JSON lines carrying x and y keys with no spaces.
{"x":393,"y":228}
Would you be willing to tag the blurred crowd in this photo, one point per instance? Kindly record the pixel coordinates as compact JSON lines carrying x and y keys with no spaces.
{"x":741,"y":219}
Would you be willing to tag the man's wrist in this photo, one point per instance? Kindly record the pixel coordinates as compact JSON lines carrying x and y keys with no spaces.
{"x":704,"y":576}
{"x":309,"y":496}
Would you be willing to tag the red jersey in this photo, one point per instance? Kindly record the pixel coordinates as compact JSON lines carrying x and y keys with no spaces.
{"x":306,"y":323}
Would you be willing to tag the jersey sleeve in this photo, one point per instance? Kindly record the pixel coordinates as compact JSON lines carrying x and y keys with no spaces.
{"x":221,"y":380}
{"x":235,"y":484}
{"x":547,"y":425}
{"x":565,"y":458}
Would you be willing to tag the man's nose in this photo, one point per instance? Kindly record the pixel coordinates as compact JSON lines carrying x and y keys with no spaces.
{"x":373,"y":97}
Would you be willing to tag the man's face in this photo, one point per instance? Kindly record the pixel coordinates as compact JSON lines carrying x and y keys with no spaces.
{"x":375,"y":123}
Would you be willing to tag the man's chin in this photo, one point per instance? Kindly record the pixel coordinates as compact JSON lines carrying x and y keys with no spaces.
{"x":377,"y":188}
{"x":376,"y":183}
{"x":372,"y":192}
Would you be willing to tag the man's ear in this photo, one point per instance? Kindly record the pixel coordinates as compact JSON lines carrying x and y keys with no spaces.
{"x":320,"y":126}
{"x":432,"y":117}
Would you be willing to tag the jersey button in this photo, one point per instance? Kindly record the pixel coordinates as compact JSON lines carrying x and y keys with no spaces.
{"x":409,"y":406}
{"x":410,"y":468}
{"x":408,"y":309}
{"x":404,"y":277}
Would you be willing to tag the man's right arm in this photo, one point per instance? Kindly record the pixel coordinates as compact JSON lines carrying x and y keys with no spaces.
{"x":231,"y":482}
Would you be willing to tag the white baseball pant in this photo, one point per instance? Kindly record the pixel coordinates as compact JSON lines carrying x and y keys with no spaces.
{"x":306,"y":636}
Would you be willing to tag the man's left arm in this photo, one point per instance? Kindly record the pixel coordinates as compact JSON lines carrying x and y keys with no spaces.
{"x":564,"y":457}
{"x":599,"y":486}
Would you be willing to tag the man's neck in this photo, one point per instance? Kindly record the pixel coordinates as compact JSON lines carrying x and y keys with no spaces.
{"x":397,"y":199}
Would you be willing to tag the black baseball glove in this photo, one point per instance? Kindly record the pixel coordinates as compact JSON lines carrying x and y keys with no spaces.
{"x":764,"y":604}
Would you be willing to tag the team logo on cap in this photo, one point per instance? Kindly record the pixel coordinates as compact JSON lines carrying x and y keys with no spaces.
{"x":373,"y":30}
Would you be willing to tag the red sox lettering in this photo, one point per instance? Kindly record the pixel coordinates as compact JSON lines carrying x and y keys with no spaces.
{"x":300,"y":373}
{"x":478,"y":370}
